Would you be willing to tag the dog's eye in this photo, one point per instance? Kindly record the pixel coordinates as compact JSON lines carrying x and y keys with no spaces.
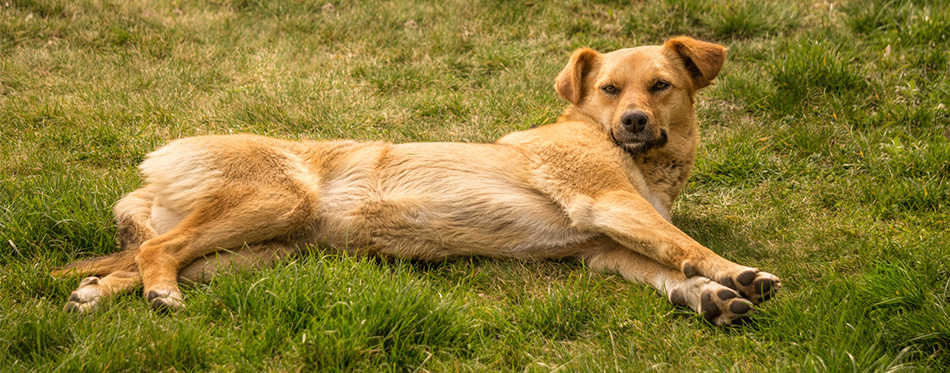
{"x":610,"y":89}
{"x":659,"y":86}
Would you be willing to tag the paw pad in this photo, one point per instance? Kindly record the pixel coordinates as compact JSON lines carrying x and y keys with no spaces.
{"x":763,"y":288}
{"x":739,"y":308}
{"x":726,"y":294}
{"x":689,"y":270}
{"x":745,"y":278}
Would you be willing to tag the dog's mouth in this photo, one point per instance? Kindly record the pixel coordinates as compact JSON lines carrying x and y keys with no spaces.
{"x":635,"y":145}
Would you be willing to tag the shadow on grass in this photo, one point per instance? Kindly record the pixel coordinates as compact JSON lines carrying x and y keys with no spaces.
{"x":720,"y":235}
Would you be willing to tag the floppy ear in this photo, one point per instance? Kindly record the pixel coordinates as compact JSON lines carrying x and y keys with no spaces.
{"x":703,"y":60}
{"x":570,"y":82}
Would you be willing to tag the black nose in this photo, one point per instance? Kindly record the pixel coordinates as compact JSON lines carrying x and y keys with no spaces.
{"x":634,"y":121}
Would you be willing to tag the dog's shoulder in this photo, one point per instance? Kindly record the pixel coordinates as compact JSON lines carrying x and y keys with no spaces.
{"x":572,"y":136}
{"x":575,"y":157}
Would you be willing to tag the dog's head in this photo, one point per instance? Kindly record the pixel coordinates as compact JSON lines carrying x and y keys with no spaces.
{"x":641,"y":95}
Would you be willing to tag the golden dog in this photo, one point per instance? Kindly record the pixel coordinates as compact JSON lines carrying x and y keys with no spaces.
{"x":597,"y":185}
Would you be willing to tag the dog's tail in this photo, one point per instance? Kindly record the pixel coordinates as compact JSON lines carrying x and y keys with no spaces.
{"x":133,"y":215}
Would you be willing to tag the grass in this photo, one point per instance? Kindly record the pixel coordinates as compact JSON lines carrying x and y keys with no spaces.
{"x":825,"y":159}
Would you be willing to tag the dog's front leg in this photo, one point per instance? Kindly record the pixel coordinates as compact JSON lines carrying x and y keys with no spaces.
{"x":630,"y":220}
{"x":716,"y":303}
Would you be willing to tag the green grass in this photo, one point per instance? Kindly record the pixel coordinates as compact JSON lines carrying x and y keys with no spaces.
{"x":825,"y":159}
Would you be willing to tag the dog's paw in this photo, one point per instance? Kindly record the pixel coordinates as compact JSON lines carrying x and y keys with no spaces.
{"x":724,"y":307}
{"x":85,"y":299}
{"x":716,"y":303}
{"x":756,"y":286}
{"x":164,"y":300}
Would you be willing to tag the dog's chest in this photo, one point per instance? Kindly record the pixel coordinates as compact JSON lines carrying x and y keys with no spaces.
{"x":664,"y":178}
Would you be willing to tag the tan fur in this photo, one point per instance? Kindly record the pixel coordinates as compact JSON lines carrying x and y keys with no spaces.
{"x":592,"y":186}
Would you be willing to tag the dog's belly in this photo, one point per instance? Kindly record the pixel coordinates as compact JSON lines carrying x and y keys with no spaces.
{"x":427,"y":226}
{"x":433,"y":201}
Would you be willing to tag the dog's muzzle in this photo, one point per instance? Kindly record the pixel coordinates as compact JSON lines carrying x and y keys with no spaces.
{"x":635,"y":135}
{"x":638,"y":146}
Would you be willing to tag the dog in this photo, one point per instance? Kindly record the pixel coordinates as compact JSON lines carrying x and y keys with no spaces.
{"x":597,"y":185}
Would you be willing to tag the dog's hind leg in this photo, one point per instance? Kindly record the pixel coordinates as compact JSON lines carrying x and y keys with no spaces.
{"x":93,"y":291}
{"x":218,"y":223}
{"x":204,"y":269}
{"x":113,"y":274}
{"x":716,"y":303}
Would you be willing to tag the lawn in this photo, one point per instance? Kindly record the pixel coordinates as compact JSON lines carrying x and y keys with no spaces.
{"x":824,"y":159}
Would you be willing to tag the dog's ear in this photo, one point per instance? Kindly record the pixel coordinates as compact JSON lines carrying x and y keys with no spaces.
{"x":570,"y":82}
{"x":703,"y":60}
